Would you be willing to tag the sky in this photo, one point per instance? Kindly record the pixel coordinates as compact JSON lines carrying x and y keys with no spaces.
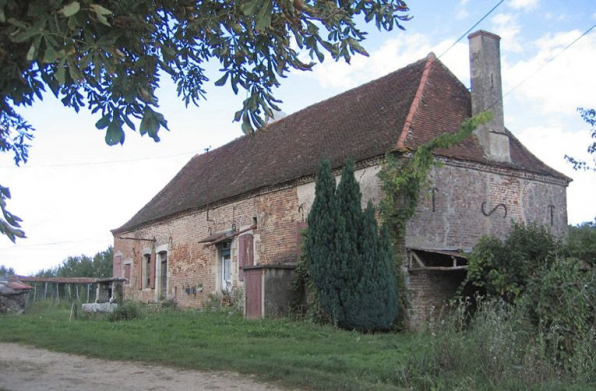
{"x":74,"y":189}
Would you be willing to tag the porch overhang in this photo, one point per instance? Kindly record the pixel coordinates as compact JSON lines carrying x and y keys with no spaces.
{"x":436,"y":259}
{"x":225,"y":235}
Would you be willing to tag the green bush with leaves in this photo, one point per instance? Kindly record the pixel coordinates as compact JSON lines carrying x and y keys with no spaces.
{"x":505,"y":267}
{"x":129,"y":310}
{"x":350,"y":264}
{"x":581,"y":242}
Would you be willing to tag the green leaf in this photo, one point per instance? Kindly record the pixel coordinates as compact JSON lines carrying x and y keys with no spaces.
{"x":103,"y":122}
{"x":222,"y":81}
{"x":251,"y":7}
{"x":71,"y":9}
{"x":149,"y":123}
{"x":264,"y":16}
{"x":50,"y":54}
{"x":99,"y":10}
{"x":31,"y":52}
{"x":60,"y":74}
{"x":100,"y":13}
{"x":114,"y":134}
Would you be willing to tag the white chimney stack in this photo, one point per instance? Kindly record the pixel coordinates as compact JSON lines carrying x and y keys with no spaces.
{"x":487,"y":93}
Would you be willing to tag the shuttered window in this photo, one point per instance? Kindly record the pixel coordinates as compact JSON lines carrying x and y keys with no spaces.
{"x":246,"y":254}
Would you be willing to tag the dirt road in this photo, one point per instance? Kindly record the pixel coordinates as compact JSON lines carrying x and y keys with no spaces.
{"x":25,"y":368}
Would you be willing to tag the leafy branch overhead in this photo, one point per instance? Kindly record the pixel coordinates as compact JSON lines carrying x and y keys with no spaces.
{"x":589,"y":116}
{"x":109,"y":55}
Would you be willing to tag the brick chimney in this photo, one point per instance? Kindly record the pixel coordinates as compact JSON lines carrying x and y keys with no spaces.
{"x":487,"y":93}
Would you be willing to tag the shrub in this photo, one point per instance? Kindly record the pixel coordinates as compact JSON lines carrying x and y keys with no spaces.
{"x":351,"y":267}
{"x":129,"y":310}
{"x":505,"y":267}
{"x":494,"y":349}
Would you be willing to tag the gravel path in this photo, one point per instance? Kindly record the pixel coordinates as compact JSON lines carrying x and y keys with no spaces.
{"x":26,"y":368}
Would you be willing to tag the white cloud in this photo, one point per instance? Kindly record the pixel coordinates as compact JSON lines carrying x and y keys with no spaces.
{"x":562,"y":85}
{"x":394,"y":54}
{"x":507,"y":26}
{"x":462,"y":12}
{"x":525,"y":5}
{"x":550,"y":144}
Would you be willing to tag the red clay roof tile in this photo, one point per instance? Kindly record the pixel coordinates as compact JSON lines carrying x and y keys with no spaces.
{"x":417,"y":102}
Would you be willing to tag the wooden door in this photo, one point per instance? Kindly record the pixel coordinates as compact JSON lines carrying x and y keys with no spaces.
{"x":253,"y":288}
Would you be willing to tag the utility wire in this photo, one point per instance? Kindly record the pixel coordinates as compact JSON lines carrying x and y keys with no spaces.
{"x":546,"y":63}
{"x":471,"y":28}
{"x":104,"y":162}
{"x":97,"y":238}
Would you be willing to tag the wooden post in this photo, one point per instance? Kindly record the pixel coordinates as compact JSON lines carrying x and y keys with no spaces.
{"x":58,"y":292}
{"x":78,"y":286}
{"x":45,"y":292}
{"x":34,"y":291}
{"x":87,"y":293}
{"x":70,"y":291}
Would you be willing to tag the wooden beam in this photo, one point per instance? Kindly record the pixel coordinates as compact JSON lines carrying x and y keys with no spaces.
{"x":441,"y":268}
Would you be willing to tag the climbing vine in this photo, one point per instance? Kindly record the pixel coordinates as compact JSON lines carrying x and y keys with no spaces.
{"x":403,"y":180}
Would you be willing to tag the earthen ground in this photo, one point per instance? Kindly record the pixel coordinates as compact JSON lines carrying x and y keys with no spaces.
{"x":27,"y":368}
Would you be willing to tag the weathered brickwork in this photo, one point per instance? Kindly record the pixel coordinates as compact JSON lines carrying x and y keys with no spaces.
{"x":456,"y":221}
{"x":429,"y":292}
{"x":449,"y":217}
{"x":193,"y":268}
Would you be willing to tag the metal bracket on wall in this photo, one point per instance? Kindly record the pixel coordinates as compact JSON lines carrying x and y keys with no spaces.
{"x":494,"y":209}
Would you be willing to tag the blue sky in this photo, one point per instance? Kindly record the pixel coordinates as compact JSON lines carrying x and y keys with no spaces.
{"x":74,"y":188}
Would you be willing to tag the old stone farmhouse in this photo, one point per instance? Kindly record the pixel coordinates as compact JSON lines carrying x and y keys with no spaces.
{"x":231,"y":217}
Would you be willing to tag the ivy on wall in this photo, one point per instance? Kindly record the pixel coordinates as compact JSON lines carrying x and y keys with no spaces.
{"x":403,"y":180}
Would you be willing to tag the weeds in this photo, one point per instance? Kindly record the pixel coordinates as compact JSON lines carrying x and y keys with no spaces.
{"x":496,"y":348}
{"x":129,"y":310}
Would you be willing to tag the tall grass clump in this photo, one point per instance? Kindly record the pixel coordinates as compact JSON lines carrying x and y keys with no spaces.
{"x":496,"y":347}
{"x":129,"y":310}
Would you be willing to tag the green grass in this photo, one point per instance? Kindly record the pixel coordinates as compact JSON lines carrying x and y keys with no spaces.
{"x":285,"y":352}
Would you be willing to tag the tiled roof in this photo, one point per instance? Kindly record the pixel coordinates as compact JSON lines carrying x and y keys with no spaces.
{"x":407,"y":107}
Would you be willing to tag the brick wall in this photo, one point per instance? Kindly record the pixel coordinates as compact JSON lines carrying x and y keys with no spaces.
{"x":194,"y":269}
{"x":454,"y":221}
{"x":457,"y":220}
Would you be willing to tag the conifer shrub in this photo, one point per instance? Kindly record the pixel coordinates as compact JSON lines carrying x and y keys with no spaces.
{"x":349,"y":262}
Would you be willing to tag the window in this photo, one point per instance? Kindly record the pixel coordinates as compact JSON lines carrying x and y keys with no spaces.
{"x":147,"y":274}
{"x":162,"y":285}
{"x":127,"y":272}
{"x":226,"y":267}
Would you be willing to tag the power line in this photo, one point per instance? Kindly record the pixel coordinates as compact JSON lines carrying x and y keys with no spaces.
{"x":471,"y":28}
{"x":97,"y":238}
{"x":546,"y":63}
{"x":103,"y":162}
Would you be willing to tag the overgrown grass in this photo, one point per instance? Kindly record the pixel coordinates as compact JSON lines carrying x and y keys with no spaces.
{"x":289,"y":353}
{"x":494,"y":350}
{"x":497,"y":349}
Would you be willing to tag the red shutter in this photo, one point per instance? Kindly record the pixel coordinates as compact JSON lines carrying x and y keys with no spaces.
{"x":153,"y":266}
{"x":245,"y":254}
{"x":127,"y":272}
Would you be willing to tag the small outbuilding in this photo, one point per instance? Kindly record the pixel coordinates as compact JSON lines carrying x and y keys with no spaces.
{"x":13,"y":296}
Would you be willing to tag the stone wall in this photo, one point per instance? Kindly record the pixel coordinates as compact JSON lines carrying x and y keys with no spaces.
{"x":456,"y":221}
{"x":193,"y":268}
{"x":453,"y":220}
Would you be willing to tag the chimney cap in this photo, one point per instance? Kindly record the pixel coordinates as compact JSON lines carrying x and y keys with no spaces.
{"x":485,"y":33}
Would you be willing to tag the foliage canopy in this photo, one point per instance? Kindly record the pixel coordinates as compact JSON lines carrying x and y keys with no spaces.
{"x":110,"y":56}
{"x":589,"y":116}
